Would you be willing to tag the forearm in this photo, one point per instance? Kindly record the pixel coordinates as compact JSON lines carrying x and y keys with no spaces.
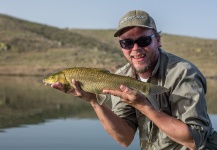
{"x":117,"y":128}
{"x":114,"y":125}
{"x":172,"y":127}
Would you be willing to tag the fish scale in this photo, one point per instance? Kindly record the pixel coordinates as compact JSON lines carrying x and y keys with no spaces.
{"x":94,"y":80}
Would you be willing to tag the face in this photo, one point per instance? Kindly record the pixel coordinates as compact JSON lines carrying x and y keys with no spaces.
{"x":142,"y":59}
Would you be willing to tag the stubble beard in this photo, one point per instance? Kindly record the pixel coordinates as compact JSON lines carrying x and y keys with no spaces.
{"x":142,"y":69}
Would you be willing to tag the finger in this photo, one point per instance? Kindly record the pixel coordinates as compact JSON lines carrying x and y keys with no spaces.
{"x":58,"y":86}
{"x":77,"y":91}
{"x":123,"y":95}
{"x":76,"y":85}
{"x":128,"y":93}
{"x":115,"y":93}
{"x":125,"y":89}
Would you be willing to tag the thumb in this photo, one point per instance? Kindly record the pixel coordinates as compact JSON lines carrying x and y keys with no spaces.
{"x":124,"y":88}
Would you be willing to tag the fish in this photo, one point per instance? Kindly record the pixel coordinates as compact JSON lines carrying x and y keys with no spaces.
{"x":94,"y":80}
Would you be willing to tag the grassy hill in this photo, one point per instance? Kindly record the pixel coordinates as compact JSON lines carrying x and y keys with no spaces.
{"x":40,"y":48}
{"x":31,"y":46}
{"x":27,"y":36}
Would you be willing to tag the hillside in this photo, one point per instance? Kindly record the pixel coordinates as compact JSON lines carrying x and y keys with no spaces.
{"x":23,"y":35}
{"x":29,"y":48}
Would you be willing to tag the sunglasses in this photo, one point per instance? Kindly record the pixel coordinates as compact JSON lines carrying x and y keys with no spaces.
{"x":141,"y":42}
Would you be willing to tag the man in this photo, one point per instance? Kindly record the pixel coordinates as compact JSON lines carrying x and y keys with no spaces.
{"x":182,"y":121}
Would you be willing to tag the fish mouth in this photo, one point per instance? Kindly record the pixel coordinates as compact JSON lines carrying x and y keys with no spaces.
{"x":47,"y":83}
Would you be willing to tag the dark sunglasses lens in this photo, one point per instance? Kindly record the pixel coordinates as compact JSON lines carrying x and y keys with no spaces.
{"x":144,"y":41}
{"x":141,"y":42}
{"x":126,"y":44}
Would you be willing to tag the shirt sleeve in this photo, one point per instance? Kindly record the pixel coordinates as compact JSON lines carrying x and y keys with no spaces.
{"x":124,"y":111}
{"x":188,"y":102}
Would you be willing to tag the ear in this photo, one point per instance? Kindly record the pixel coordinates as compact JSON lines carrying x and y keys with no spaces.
{"x":158,"y":41}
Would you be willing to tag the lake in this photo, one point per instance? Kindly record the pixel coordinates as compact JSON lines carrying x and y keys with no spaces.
{"x":61,"y":134}
{"x":33,"y":117}
{"x":65,"y":134}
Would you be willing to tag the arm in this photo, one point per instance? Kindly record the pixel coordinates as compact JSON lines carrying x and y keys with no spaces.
{"x":114,"y":125}
{"x":118,"y":129}
{"x":174,"y":128}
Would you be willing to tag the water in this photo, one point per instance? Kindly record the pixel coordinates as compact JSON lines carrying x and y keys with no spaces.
{"x":65,"y":134}
{"x":21,"y":104}
{"x":61,"y":134}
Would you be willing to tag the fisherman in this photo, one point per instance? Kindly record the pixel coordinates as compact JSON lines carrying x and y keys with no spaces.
{"x":182,"y":121}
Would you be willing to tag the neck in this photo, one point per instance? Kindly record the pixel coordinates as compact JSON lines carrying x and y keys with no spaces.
{"x":145,"y":75}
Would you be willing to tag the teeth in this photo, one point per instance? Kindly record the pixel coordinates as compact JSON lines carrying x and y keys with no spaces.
{"x":139,"y":56}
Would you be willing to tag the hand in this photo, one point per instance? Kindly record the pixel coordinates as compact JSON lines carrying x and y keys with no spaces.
{"x":129,"y":96}
{"x":76,"y":91}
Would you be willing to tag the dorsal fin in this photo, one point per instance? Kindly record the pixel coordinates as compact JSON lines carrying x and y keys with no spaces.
{"x":102,"y":70}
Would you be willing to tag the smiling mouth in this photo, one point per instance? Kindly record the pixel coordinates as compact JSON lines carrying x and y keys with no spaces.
{"x":138,"y":56}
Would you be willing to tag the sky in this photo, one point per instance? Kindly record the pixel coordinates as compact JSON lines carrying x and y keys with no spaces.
{"x":195,"y":18}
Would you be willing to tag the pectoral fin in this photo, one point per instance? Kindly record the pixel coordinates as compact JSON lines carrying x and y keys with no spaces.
{"x":101,"y":98}
{"x":152,"y":99}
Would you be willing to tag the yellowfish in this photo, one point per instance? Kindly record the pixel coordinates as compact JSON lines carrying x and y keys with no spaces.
{"x":94,"y":80}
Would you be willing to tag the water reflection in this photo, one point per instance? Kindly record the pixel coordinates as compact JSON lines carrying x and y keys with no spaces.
{"x":65,"y":134}
{"x":25,"y":100}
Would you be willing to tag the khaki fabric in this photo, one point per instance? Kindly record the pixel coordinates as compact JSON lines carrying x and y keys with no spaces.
{"x":184,"y":101}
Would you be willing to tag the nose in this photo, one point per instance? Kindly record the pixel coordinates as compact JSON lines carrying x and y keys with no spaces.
{"x":135,"y":47}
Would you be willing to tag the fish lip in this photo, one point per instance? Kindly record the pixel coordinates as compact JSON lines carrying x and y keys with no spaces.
{"x":47,"y":84}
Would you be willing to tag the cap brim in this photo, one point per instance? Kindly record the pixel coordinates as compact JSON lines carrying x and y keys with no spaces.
{"x":118,"y":32}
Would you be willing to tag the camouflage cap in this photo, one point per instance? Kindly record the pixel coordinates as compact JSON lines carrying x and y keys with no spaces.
{"x":135,"y":18}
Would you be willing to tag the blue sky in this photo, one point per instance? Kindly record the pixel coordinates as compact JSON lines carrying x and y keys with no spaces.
{"x":196,"y":18}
